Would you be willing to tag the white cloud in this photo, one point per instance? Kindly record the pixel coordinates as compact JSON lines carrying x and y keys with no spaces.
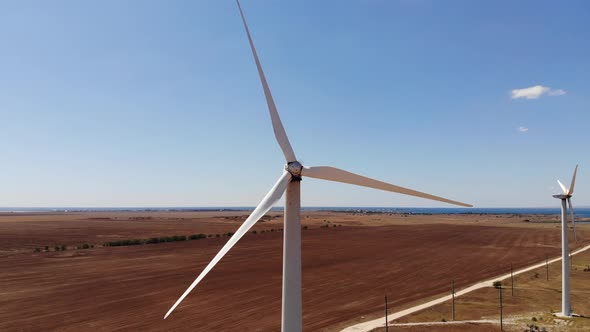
{"x":535,"y":92}
{"x":557,"y":92}
{"x":522,"y":129}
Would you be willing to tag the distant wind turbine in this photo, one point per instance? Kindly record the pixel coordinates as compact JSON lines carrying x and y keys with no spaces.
{"x":566,"y":309}
{"x":290,"y":181}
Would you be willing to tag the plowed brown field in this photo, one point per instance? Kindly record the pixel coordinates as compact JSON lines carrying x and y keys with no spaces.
{"x":346,"y":269}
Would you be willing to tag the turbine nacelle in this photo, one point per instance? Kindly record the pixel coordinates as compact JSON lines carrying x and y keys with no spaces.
{"x":295,"y":168}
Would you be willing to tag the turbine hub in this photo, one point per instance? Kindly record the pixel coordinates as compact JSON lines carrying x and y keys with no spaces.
{"x":294,"y":167}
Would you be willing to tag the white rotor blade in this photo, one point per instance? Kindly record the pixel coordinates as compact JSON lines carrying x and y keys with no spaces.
{"x":569,"y":202}
{"x":571,"y":191}
{"x":277,"y":125}
{"x":562,"y":187}
{"x":269,"y":200}
{"x":338,"y":175}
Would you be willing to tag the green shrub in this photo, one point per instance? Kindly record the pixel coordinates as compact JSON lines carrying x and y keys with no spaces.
{"x":152,"y":240}
{"x":197,"y":236}
{"x":63,"y":247}
{"x":46,"y":248}
{"x":179,"y":238}
{"x":56,"y":248}
{"x":497,"y":284}
{"x":122,"y":243}
{"x":254,"y":232}
{"x":534,"y":328}
{"x":37,"y":250}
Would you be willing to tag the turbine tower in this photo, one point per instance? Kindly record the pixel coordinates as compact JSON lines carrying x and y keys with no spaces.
{"x":566,"y":199}
{"x":290,"y":181}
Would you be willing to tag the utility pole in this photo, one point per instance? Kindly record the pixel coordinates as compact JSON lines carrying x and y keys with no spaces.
{"x":511,"y":279}
{"x":547,"y":266}
{"x":386,"y":320}
{"x":501,"y":314}
{"x":453,"y":295}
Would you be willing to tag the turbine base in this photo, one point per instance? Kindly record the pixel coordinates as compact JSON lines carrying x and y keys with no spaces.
{"x":561,"y":315}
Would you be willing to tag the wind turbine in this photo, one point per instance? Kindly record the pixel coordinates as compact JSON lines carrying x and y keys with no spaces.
{"x":290,"y":182}
{"x":566,"y":309}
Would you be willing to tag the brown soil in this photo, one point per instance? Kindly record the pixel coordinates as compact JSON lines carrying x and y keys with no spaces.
{"x":346,"y":269}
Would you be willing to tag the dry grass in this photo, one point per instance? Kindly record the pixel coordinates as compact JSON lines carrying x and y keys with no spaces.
{"x":534,"y":296}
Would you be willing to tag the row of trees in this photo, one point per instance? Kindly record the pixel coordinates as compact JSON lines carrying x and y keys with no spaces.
{"x":152,"y":240}
{"x":63,"y":247}
{"x":163,"y":239}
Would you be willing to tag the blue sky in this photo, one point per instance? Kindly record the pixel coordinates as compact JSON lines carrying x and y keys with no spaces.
{"x":153,"y":103}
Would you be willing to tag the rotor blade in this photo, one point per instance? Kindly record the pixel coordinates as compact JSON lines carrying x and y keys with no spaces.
{"x":571,"y":191}
{"x":269,"y":200}
{"x":277,"y":125}
{"x":562,"y":187}
{"x":569,"y":202}
{"x":338,"y":175}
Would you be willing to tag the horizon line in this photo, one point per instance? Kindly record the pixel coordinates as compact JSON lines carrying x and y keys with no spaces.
{"x":274,"y":207}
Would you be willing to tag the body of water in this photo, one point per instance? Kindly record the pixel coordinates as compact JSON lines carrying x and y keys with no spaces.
{"x":580,"y":212}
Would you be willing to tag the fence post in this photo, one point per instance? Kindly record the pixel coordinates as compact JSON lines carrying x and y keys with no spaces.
{"x":453,"y":294}
{"x":547,"y":266}
{"x":501,"y":313}
{"x":511,"y":279}
{"x":386,"y":320}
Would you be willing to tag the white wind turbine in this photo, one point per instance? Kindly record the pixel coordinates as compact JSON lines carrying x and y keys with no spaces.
{"x":290,"y":181}
{"x":565,"y":264}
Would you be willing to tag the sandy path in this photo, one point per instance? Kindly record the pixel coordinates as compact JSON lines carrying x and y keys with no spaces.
{"x":380,"y":322}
